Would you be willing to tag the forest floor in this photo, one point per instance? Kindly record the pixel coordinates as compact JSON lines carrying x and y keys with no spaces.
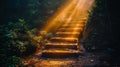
{"x":87,"y":59}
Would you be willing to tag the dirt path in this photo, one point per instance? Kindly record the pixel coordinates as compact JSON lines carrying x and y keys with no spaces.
{"x":84,"y":60}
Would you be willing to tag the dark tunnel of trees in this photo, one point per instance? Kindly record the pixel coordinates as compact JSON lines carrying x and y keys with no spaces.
{"x":22,"y":19}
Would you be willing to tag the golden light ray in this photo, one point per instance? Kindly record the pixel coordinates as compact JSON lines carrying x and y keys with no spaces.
{"x":55,"y":20}
{"x":72,"y":10}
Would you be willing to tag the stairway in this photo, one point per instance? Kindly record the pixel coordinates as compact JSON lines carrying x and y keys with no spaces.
{"x":65,"y":42}
{"x":68,"y":24}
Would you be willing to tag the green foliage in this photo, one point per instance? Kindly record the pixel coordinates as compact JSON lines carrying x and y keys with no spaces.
{"x":18,"y":38}
{"x":10,"y":61}
{"x":15,"y":42}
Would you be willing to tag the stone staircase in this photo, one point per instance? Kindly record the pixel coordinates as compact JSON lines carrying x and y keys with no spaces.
{"x":65,"y":42}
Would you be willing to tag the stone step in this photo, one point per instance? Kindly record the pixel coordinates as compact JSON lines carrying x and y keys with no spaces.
{"x":67,"y":35}
{"x":70,"y":29}
{"x":77,"y":21}
{"x":61,"y":45}
{"x":74,"y":23}
{"x":80,"y":19}
{"x":56,"y":53}
{"x":66,"y":39}
{"x":72,"y":26}
{"x":75,"y":28}
{"x":77,"y":33}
